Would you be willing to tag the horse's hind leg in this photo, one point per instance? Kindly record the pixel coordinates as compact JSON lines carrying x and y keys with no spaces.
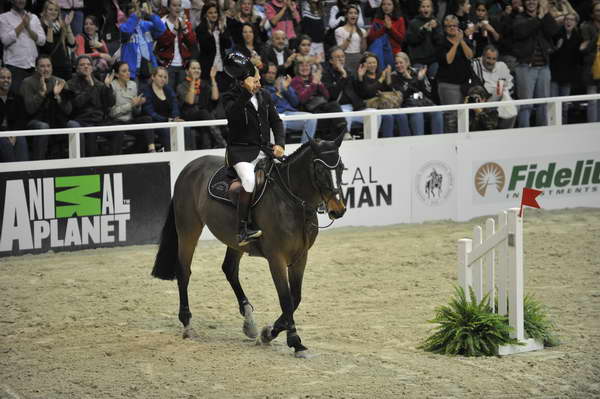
{"x":188,"y":238}
{"x":231,"y":267}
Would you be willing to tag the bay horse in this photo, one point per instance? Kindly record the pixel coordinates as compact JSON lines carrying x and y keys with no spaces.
{"x":286,"y":214}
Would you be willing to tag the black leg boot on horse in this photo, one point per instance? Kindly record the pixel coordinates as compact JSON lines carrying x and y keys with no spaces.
{"x":246,"y":231}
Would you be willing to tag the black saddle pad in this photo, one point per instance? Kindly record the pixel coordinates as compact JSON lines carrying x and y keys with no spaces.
{"x":220,"y":181}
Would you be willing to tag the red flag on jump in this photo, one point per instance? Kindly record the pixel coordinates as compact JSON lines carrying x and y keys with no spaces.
{"x":528,"y":198}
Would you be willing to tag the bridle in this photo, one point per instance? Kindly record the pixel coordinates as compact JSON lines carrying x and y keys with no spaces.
{"x":336,"y":184}
{"x":334,"y":188}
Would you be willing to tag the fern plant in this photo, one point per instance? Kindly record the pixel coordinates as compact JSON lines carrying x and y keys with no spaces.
{"x":467,"y":327}
{"x":536,"y":322}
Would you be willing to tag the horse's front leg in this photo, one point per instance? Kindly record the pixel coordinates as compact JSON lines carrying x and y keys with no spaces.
{"x":289,"y":299}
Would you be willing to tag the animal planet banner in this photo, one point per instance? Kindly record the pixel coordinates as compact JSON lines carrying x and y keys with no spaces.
{"x":79,"y":208}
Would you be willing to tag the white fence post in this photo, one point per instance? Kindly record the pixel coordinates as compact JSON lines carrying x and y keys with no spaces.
{"x":371,"y":127}
{"x":465,"y":278}
{"x":177,"y":138}
{"x":515,"y":273}
{"x":554,"y":113}
{"x":74,"y":145}
{"x":489,"y":263}
{"x":463,"y":120}
{"x":502,"y":268}
{"x":477,"y":267}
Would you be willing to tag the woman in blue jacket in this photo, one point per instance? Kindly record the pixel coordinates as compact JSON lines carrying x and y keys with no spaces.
{"x":138,"y":34}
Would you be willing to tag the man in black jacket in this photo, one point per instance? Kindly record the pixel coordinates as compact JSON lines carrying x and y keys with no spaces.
{"x":278,"y":53}
{"x":250,"y":115}
{"x":92,"y":101}
{"x":532,"y":44}
{"x":339,"y":82}
{"x":47,"y":104}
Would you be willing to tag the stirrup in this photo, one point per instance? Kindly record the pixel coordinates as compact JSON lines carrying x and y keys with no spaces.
{"x":246,"y":236}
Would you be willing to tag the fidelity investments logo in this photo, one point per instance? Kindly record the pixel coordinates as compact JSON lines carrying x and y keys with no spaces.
{"x":64,"y":211}
{"x":554,"y":178}
{"x":489,"y":175}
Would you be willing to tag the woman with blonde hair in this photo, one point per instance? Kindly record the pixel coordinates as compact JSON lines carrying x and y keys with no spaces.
{"x":416,"y":92}
{"x":244,"y":13}
{"x":369,"y":82}
{"x":59,"y":39}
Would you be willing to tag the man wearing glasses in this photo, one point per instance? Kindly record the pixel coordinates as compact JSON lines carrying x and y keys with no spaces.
{"x":454,"y":57}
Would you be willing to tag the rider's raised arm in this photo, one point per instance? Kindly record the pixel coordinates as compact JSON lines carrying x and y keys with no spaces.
{"x":275,"y":122}
{"x":234,"y":102}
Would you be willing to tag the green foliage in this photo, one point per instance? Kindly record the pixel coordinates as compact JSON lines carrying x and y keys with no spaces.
{"x":467,"y":327}
{"x":537,"y":324}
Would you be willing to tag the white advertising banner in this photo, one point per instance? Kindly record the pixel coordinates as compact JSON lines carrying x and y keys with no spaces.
{"x":495,"y":169}
{"x":376,"y":183}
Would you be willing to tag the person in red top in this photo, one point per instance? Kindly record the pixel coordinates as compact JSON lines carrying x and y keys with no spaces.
{"x":174,"y":46}
{"x":388,"y":19}
{"x":89,"y":43}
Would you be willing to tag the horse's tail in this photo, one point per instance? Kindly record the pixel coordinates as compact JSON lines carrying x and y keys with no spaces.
{"x":166,"y":262}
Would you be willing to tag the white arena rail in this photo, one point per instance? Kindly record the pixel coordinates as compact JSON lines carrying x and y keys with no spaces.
{"x":496,"y":256}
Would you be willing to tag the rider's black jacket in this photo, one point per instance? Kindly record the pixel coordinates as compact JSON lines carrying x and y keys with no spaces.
{"x":249,"y":129}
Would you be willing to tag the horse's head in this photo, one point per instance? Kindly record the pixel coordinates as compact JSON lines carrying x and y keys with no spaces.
{"x":328,"y":169}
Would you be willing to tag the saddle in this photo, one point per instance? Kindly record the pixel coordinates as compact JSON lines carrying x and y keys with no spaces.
{"x":224,"y":185}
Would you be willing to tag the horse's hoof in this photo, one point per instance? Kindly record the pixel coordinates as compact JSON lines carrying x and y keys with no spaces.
{"x":189,"y":333}
{"x":303,"y":354}
{"x":265,"y":335}
{"x":250,"y":329}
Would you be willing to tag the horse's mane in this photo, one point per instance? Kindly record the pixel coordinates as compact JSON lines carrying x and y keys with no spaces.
{"x":296,"y":154}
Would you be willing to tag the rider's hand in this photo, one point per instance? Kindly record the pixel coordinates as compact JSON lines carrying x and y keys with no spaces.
{"x":278,"y":151}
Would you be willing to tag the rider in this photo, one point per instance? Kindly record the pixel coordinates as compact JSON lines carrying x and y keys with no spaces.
{"x":250,"y":117}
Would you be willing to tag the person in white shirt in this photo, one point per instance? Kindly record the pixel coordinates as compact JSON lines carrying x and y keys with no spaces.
{"x":20,"y":32}
{"x":352,"y":38}
{"x":498,"y":81}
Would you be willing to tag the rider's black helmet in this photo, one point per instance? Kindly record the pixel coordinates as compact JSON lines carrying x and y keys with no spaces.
{"x":238,"y":66}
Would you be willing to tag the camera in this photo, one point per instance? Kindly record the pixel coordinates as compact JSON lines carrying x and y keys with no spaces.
{"x":473,"y":98}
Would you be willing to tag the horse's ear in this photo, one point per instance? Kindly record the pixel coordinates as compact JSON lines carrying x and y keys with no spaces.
{"x":339,"y":139}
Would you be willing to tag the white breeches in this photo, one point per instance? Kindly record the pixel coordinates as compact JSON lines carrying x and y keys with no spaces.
{"x":245,"y":171}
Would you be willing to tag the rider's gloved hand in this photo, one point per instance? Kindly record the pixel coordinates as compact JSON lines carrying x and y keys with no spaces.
{"x":278,"y":151}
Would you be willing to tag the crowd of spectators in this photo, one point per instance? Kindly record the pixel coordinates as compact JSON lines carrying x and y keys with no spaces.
{"x":79,"y":63}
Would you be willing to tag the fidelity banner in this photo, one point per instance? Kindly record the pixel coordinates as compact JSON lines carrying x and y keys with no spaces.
{"x":77,"y":208}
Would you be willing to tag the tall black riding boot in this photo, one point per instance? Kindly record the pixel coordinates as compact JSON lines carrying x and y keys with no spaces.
{"x":246,"y":234}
